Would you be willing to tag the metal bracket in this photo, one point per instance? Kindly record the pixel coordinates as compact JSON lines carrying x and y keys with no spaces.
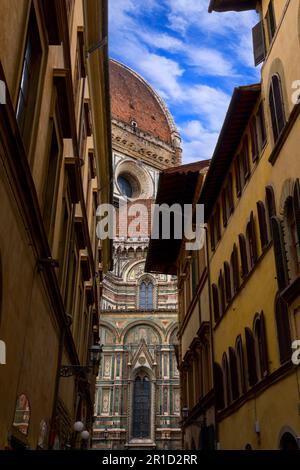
{"x":69,"y":371}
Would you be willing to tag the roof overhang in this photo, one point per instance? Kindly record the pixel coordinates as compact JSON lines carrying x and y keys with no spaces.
{"x":231,"y":5}
{"x":176,"y":186}
{"x":239,"y":112}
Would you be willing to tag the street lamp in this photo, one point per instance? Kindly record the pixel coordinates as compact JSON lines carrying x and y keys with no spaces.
{"x":185,"y":412}
{"x":79,"y":370}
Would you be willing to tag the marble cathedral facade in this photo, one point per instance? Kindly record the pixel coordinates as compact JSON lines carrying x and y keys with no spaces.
{"x":138,"y":391}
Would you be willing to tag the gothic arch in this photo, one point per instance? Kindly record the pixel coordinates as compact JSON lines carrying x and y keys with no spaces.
{"x":171,"y":330}
{"x":277,"y":68}
{"x":111,"y":328}
{"x":141,"y":323}
{"x":286,"y":192}
{"x":288,"y":431}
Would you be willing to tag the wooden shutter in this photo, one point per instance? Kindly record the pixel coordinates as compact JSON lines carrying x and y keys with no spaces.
{"x":263,"y":229}
{"x":230,"y":195}
{"x":215,"y":294}
{"x":296,"y":205}
{"x":279,"y":253}
{"x":262,"y":125}
{"x":237,"y":176}
{"x":283,"y":330}
{"x":263,"y":347}
{"x":224,"y":208}
{"x":233,"y":374}
{"x":235,"y":267}
{"x":228,"y":290}
{"x":271,"y":207}
{"x":254,"y":141}
{"x":245,"y":159}
{"x":259,"y":43}
{"x":212,"y":233}
{"x":253,"y":239}
{"x":273,"y":113}
{"x":241,"y":364}
{"x":243,"y":252}
{"x":278,"y":100}
{"x":251,"y":359}
{"x":222,"y":304}
{"x":219,"y":386}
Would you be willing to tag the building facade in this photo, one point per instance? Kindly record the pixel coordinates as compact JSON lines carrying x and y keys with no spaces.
{"x":251,"y":196}
{"x":138,"y":396}
{"x":55,"y":156}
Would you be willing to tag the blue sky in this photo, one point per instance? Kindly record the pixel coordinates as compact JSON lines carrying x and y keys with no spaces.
{"x":193,"y":59}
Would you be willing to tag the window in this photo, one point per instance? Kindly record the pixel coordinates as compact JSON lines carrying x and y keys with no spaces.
{"x":254,"y":140}
{"x":216,"y":304}
{"x":29,"y":80}
{"x":212,"y":233}
{"x":259,"y":43}
{"x":292,"y":231}
{"x":227,"y":202}
{"x":243,"y":253}
{"x":261,"y":346}
{"x":228,"y":289}
{"x":146,"y":295}
{"x":238,"y":182}
{"x":195,"y":275}
{"x":251,"y":358}
{"x":217,"y":224}
{"x":219,"y":386}
{"x":283,"y":329}
{"x":279,"y":253}
{"x":125,"y":186}
{"x":234,"y":268}
{"x":221,"y":294}
{"x":245,"y":161}
{"x":271,"y":23}
{"x":276,"y":107}
{"x":263,"y":227}
{"x":226,"y":379}
{"x":271,"y":207}
{"x":262,"y":134}
{"x":51,"y":183}
{"x":240,"y":364}
{"x":251,"y":242}
{"x":141,"y":407}
{"x":233,"y":374}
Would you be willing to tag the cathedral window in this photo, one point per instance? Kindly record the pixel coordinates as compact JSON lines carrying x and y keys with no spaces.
{"x":141,"y":407}
{"x":146,"y":296}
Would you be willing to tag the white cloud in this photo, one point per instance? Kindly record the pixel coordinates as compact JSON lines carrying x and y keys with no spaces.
{"x":198,"y":142}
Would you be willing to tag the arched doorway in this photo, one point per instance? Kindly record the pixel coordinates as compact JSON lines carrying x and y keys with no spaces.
{"x":288,"y":442}
{"x":141,"y":428}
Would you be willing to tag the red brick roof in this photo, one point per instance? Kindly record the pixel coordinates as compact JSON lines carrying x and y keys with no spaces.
{"x":132,"y":99}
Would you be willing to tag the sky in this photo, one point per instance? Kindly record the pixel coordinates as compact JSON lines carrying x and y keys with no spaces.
{"x":192,"y":58}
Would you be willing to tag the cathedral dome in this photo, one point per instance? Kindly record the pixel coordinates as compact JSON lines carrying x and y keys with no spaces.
{"x":135,"y":103}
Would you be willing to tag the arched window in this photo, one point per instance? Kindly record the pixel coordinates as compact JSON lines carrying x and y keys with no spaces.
{"x":215,"y":295}
{"x":283,"y":329}
{"x":146,"y":295}
{"x":292,"y":232}
{"x":234,"y":267}
{"x":233,"y":374}
{"x":243,"y":253}
{"x":228,"y":289}
{"x":261,"y":346}
{"x":251,"y":242}
{"x":221,"y":290}
{"x":271,"y":208}
{"x":240,"y":364}
{"x":226,"y":379}
{"x":219,"y":386}
{"x":251,"y":357}
{"x":279,"y":253}
{"x":276,"y":106}
{"x":263,"y":227}
{"x":141,"y":407}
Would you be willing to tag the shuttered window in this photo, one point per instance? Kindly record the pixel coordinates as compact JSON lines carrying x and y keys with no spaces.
{"x":276,"y":107}
{"x":226,"y":379}
{"x":270,"y":19}
{"x":212,"y":233}
{"x":279,"y":253}
{"x":296,"y":204}
{"x":251,"y":241}
{"x":221,"y":294}
{"x":259,"y":43}
{"x":237,"y":177}
{"x":235,"y":269}
{"x":254,"y":140}
{"x":251,"y":359}
{"x":215,"y":295}
{"x":243,"y":253}
{"x":228,"y":289}
{"x":233,"y":374}
{"x":245,"y":161}
{"x":283,"y":329}
{"x":263,"y":227}
{"x":225,"y":214}
{"x":230,"y":194}
{"x":219,"y":386}
{"x":240,"y":364}
{"x":261,"y":341}
{"x":262,"y":134}
{"x":217,"y":223}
